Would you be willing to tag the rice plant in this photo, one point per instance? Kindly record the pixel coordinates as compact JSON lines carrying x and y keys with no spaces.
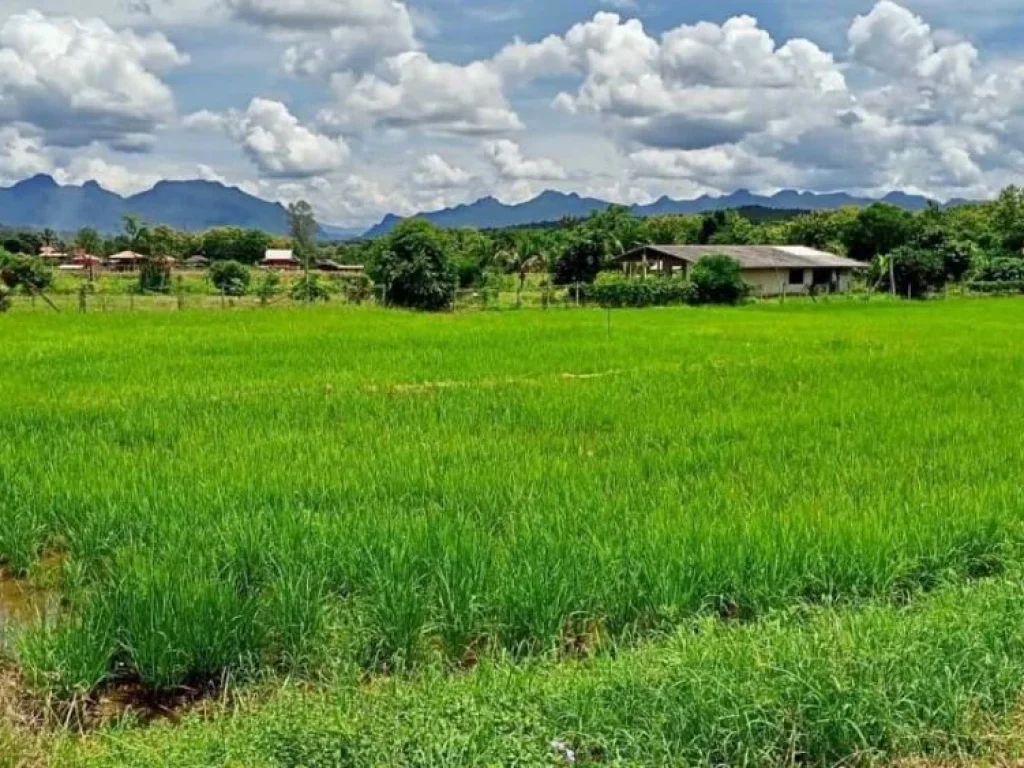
{"x":238,"y":492}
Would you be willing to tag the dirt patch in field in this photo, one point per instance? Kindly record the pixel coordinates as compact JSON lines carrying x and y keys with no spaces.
{"x":434,"y":386}
{"x":22,"y":710}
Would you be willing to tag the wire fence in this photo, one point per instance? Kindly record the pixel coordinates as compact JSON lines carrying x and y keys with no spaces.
{"x":463,"y":300}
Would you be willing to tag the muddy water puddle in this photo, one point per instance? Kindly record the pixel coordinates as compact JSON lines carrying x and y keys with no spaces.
{"x":24,"y":602}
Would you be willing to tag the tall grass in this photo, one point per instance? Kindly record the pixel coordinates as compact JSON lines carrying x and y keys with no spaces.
{"x":230,"y":489}
{"x":829,"y":687}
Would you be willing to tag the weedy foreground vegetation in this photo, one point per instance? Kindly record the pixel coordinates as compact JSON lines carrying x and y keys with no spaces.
{"x":763,"y":535}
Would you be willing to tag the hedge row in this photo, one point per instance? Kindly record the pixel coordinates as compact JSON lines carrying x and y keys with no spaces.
{"x":621,"y":291}
{"x":996,"y":286}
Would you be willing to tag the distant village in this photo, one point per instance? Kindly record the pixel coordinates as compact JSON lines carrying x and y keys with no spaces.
{"x":80,"y":262}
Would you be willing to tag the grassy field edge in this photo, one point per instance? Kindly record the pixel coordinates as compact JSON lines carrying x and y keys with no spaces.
{"x":936,"y":679}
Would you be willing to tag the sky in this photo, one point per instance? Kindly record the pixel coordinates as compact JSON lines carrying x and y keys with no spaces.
{"x":369,"y":107}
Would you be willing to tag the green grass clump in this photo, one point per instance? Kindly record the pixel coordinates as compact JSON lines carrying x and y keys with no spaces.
{"x":834,"y":687}
{"x":246,"y":491}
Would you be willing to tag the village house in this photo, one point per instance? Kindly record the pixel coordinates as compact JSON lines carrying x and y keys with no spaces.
{"x":771,"y":270}
{"x":125,"y":261}
{"x":283,"y":258}
{"x":345,"y":270}
{"x":49,"y":253}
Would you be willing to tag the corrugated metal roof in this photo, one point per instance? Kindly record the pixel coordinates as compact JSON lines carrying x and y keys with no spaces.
{"x":279,"y":255}
{"x":751,"y":256}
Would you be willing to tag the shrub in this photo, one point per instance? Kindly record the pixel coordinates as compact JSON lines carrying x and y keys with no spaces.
{"x":358,"y":289}
{"x":230,"y":277}
{"x":310,"y":288}
{"x":1005,"y":287}
{"x":718,"y":280}
{"x":25,"y":272}
{"x":154,"y":275}
{"x":269,"y":287}
{"x":615,"y":290}
{"x":1001,"y":269}
{"x":5,"y":298}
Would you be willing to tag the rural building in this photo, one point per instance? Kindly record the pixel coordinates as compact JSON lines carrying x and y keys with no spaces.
{"x":280,"y":259}
{"x":81,"y":263}
{"x":197,"y":262}
{"x":771,"y":270}
{"x":125,"y":261}
{"x":348,"y":270}
{"x":49,"y":253}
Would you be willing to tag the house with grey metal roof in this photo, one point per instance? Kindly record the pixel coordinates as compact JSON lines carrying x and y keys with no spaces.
{"x":771,"y":270}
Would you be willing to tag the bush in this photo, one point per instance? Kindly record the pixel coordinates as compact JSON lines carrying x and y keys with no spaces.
{"x":25,"y":272}
{"x":996,"y":287}
{"x":269,"y":287}
{"x":310,"y":288}
{"x":5,"y":298}
{"x":358,"y":289}
{"x":154,"y":275}
{"x":616,"y":290}
{"x":230,"y":277}
{"x":1001,"y":269}
{"x":718,"y":280}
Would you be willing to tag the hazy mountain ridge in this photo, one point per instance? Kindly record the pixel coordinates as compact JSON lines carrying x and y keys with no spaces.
{"x":488,"y":213}
{"x":41,"y":202}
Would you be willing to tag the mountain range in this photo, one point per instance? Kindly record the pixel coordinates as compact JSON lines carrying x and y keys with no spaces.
{"x":40,"y":202}
{"x":550,"y":206}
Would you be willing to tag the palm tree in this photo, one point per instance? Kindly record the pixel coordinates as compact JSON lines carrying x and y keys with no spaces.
{"x":522,"y":258}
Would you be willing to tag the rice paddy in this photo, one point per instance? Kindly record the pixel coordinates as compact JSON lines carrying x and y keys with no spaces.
{"x":251,"y":494}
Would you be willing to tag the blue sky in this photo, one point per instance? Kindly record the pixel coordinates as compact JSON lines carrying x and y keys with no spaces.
{"x":366,"y":107}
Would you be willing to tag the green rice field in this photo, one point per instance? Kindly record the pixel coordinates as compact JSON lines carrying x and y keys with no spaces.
{"x":746,"y":536}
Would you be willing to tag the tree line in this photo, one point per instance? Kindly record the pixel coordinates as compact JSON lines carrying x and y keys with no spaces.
{"x":420,"y":265}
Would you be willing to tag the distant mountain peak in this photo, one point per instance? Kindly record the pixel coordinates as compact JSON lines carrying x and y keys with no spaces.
{"x":39,"y":181}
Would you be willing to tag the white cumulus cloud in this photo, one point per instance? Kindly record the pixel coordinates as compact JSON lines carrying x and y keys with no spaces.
{"x":434,"y":172}
{"x":508,"y":160}
{"x":274,"y":139}
{"x":79,"y":81}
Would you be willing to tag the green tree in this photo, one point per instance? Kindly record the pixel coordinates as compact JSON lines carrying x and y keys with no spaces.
{"x":1008,"y":219}
{"x":415,"y":267}
{"x":522,"y":259}
{"x":26,"y":273}
{"x":581,"y":261}
{"x":136,"y":233}
{"x":89,"y":240}
{"x":879,"y":228}
{"x":718,"y":280}
{"x":230,"y":277}
{"x":916,"y":271}
{"x":303,"y":229}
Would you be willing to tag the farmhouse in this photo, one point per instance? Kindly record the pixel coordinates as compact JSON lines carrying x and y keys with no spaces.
{"x":49,"y":253}
{"x":772,"y":270}
{"x":346,"y":270}
{"x":125,"y":261}
{"x":197,"y":262}
{"x":280,"y":259}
